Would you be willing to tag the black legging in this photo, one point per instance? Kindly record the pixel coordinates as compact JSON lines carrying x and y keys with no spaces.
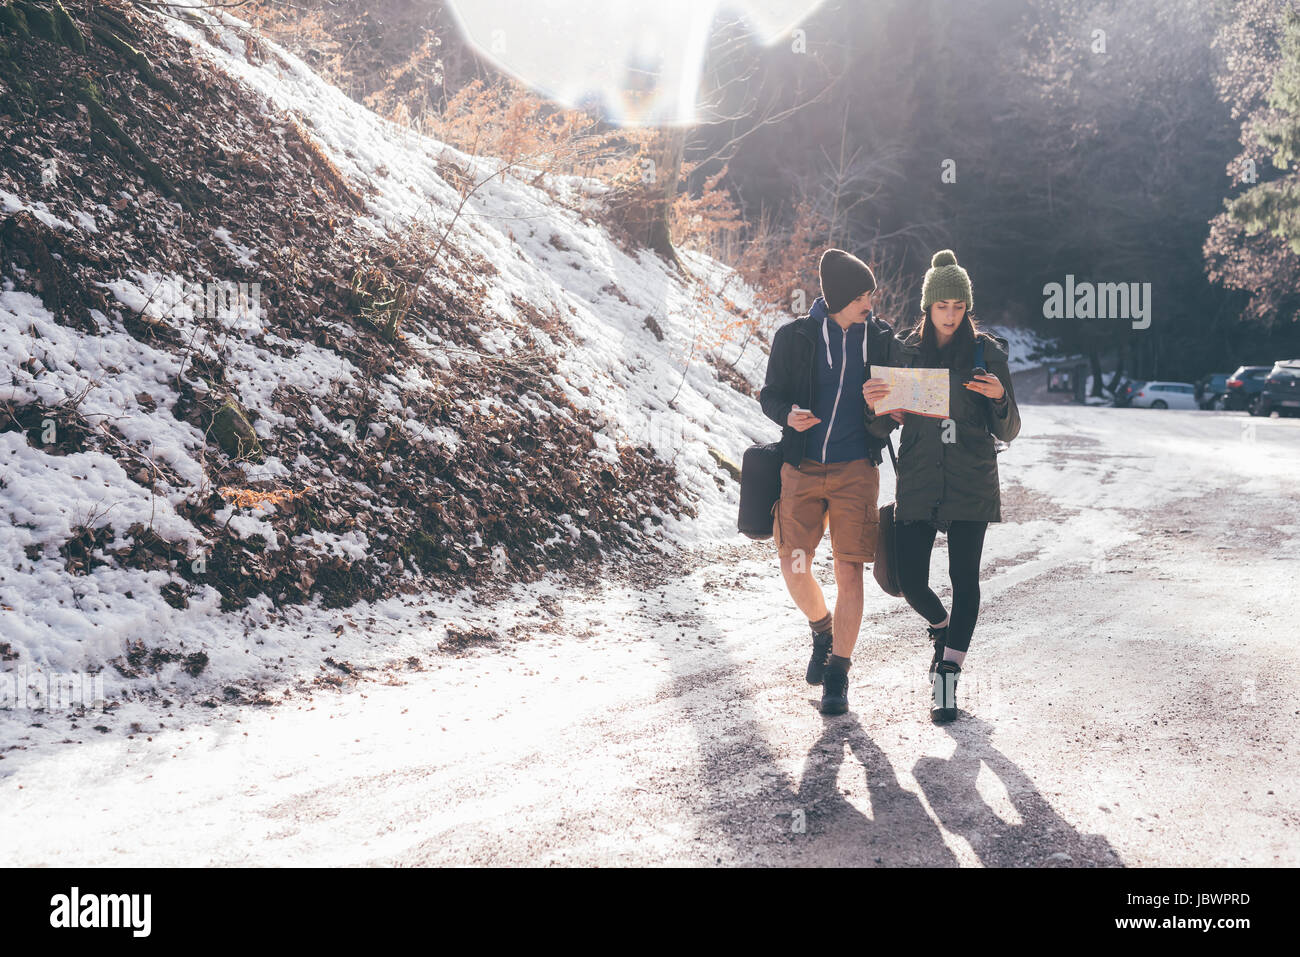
{"x":965,"y":544}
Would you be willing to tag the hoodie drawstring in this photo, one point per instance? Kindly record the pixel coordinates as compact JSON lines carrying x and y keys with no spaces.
{"x":826,"y":338}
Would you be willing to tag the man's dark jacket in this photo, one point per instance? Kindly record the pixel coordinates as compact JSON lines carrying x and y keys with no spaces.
{"x":790,"y":377}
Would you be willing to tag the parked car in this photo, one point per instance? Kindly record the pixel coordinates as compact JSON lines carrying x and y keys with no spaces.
{"x":1244,"y":386}
{"x":1125,"y":391}
{"x":1281,"y":392}
{"x":1165,"y":395}
{"x":1210,"y":389}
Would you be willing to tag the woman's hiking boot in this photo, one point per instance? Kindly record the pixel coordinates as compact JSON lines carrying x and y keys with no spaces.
{"x":944,"y":706}
{"x":821,"y":656}
{"x":938,"y":636}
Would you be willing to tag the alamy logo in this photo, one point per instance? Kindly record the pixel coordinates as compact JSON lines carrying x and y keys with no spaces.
{"x":178,"y":298}
{"x":1106,"y":300}
{"x":102,"y":910}
{"x":51,"y":691}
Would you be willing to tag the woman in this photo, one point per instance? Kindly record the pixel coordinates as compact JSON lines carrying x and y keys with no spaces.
{"x":947,"y":468}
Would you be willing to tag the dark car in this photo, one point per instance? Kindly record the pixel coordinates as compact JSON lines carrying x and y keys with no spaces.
{"x":1244,"y":388}
{"x":1211,"y":388}
{"x":1281,"y":392}
{"x":1125,"y":391}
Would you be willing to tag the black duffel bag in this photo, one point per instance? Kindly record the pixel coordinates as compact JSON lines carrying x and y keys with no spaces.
{"x":760,"y":488}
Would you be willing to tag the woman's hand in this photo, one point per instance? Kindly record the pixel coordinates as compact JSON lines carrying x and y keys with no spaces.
{"x":801,"y":420}
{"x":873,"y":390}
{"x":987,"y":385}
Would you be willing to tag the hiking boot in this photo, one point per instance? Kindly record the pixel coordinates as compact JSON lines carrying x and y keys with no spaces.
{"x":939,"y":636}
{"x":944,"y":706}
{"x":835,"y":691}
{"x":821,"y":656}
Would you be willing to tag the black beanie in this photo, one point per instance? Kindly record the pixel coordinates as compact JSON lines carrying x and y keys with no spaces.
{"x":844,"y":278}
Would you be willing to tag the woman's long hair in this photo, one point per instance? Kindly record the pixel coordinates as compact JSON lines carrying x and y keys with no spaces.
{"x":961,"y":348}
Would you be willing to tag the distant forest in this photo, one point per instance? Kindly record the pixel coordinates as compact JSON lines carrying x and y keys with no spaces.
{"x":1151,"y":142}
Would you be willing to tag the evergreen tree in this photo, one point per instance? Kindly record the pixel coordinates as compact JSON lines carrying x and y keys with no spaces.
{"x":1274,"y":206}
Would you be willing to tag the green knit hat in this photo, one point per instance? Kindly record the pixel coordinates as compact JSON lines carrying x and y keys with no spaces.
{"x":946,"y":280}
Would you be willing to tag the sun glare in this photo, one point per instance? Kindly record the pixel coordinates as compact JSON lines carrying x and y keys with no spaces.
{"x":636,"y":63}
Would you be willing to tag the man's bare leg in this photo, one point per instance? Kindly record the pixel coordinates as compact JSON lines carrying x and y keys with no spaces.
{"x":848,"y":607}
{"x":796,"y":569}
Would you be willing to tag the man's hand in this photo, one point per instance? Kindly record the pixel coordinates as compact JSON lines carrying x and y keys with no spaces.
{"x":873,"y":390}
{"x":801,"y":420}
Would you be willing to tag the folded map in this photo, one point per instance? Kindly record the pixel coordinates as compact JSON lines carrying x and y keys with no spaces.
{"x":920,"y":391}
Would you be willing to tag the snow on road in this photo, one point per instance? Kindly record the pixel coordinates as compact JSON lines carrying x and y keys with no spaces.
{"x":1129,"y":699}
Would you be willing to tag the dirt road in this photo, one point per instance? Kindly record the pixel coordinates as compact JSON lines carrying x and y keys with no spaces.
{"x":1129,"y":699}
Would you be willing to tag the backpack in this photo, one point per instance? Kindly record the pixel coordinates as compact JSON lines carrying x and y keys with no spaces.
{"x":998,"y":445}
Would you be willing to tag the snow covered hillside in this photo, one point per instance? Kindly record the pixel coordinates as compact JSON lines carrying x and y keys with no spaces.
{"x":1029,"y":349}
{"x":201,"y":421}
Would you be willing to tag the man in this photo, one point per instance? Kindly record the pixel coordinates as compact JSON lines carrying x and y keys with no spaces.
{"x":830,"y":445}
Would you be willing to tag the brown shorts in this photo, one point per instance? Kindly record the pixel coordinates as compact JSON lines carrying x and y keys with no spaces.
{"x":843,"y":494}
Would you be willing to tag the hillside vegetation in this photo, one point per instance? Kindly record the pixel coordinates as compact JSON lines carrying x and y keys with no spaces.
{"x":260,"y":347}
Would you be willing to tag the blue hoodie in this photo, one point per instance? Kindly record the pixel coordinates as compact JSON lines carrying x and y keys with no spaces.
{"x":838,"y":375}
